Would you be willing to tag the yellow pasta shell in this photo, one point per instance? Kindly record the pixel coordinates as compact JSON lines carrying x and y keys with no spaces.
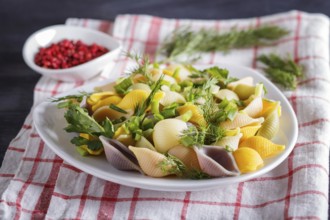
{"x":269,"y":106}
{"x":263,"y":146}
{"x":226,"y":94}
{"x":106,"y":102}
{"x":254,"y":108}
{"x":150,"y":161}
{"x":133,"y":98}
{"x":95,"y":97}
{"x":247,"y":159}
{"x":197,"y":116}
{"x":105,"y":112}
{"x":249,"y":131}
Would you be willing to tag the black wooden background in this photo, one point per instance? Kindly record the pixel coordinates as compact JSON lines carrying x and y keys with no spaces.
{"x":20,"y":18}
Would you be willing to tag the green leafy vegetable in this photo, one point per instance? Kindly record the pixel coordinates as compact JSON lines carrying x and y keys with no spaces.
{"x":93,"y":145}
{"x":281,"y":71}
{"x":124,"y":85}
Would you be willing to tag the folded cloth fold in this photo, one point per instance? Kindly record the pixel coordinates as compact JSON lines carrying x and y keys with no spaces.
{"x":37,"y":184}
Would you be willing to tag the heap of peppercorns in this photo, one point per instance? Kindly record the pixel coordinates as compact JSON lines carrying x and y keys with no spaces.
{"x":67,"y":53}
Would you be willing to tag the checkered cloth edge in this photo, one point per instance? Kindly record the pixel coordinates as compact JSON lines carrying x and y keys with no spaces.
{"x":37,"y":184}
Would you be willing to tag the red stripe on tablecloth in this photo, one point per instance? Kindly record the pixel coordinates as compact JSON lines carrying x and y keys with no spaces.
{"x":311,"y":143}
{"x":305,"y":166}
{"x":30,"y":178}
{"x":55,"y":89}
{"x":34,"y":135}
{"x":26,"y":126}
{"x":7,"y":175}
{"x":34,"y":183}
{"x":293,"y":99}
{"x":314,"y":57}
{"x":314,"y":79}
{"x":16,"y":149}
{"x":186,"y":201}
{"x":107,"y":208}
{"x":67,"y":166}
{"x":305,"y":217}
{"x":135,"y":198}
{"x":46,"y":194}
{"x":153,"y":36}
{"x":238,"y":204}
{"x":40,"y":160}
{"x":294,"y":106}
{"x":104,"y":26}
{"x":316,"y":121}
{"x":130,"y":40}
{"x":21,"y":208}
{"x":255,"y":48}
{"x":217,"y":28}
{"x":83,"y":196}
{"x":85,"y":22}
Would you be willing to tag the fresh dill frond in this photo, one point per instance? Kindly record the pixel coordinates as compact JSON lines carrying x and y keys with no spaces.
{"x":185,"y":41}
{"x":172,"y":165}
{"x":282,"y":71}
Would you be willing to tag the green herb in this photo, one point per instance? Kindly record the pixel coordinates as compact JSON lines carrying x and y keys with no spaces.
{"x":109,"y":129}
{"x":143,"y":64}
{"x":198,"y":175}
{"x":201,"y":136}
{"x":66,"y":101}
{"x":172,"y":165}
{"x":220,"y":74}
{"x":93,"y":145}
{"x":282,"y":71}
{"x":124,"y":85}
{"x":79,"y":121}
{"x":116,"y":108}
{"x":186,"y":41}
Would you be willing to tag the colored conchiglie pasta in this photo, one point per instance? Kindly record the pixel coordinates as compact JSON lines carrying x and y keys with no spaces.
{"x":249,"y":131}
{"x":151,"y":162}
{"x":141,"y":86}
{"x":167,"y":134}
{"x":95,"y":97}
{"x":244,"y":91}
{"x":271,"y":126}
{"x":269,"y":106}
{"x":179,"y":72}
{"x":245,"y":80}
{"x":254,"y":108}
{"x":241,"y":120}
{"x":247,"y":159}
{"x":157,"y":73}
{"x":106,"y":102}
{"x":186,"y":155}
{"x":144,"y":142}
{"x":263,"y":146}
{"x":172,"y":97}
{"x":197,"y":116}
{"x":226,"y":94}
{"x":105,"y":112}
{"x":229,"y":141}
{"x":133,"y":98}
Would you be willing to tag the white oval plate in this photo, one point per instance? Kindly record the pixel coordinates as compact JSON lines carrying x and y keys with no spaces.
{"x":49,"y":122}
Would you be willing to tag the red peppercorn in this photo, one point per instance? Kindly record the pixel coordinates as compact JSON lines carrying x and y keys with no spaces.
{"x":67,"y":53}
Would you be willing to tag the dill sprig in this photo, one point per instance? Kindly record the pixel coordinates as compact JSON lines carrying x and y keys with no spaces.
{"x":143,"y":64}
{"x":282,"y":71}
{"x":186,"y":41}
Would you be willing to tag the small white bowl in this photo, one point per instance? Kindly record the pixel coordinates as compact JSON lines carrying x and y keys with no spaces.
{"x":56,"y":33}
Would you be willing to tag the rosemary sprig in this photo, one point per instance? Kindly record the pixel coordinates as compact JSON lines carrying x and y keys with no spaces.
{"x":186,"y":41}
{"x":282,"y":71}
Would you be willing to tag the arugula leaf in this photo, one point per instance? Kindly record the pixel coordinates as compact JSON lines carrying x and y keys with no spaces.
{"x":221,"y":75}
{"x":109,"y":129}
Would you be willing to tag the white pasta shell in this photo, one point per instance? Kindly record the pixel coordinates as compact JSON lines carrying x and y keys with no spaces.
{"x":172,"y":97}
{"x":216,"y":161}
{"x":167,"y":134}
{"x":150,"y":161}
{"x":231,"y":141}
{"x":254,"y":108}
{"x":245,"y":80}
{"x":144,"y":142}
{"x":226,"y":94}
{"x":244,"y":91}
{"x":183,"y":72}
{"x":186,"y":155}
{"x":167,"y":78}
{"x":241,"y":120}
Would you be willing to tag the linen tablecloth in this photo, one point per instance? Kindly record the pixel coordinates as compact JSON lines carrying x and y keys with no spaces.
{"x":37,"y":184}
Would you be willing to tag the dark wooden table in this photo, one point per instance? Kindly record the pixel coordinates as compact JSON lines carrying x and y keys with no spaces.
{"x":21,"y":18}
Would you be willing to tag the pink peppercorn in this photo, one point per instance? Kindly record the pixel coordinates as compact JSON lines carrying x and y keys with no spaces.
{"x":67,"y":53}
